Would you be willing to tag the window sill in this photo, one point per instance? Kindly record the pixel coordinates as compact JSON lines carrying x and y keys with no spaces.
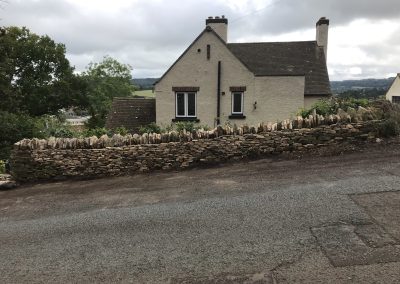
{"x":194,"y":119}
{"x":237,"y":116}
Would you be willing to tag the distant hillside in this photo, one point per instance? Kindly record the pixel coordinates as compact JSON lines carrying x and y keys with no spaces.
{"x":144,"y":83}
{"x":347,"y":85}
{"x":336,"y":86}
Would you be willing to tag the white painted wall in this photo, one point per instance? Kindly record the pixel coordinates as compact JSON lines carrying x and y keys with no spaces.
{"x":394,"y":90}
{"x":277,"y":97}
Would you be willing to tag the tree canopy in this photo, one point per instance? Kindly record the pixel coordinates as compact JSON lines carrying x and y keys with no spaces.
{"x":37,"y":81}
{"x":35,"y":76}
{"x":106,"y":80}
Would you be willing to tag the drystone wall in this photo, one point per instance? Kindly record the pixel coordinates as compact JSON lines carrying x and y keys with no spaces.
{"x":35,"y":159}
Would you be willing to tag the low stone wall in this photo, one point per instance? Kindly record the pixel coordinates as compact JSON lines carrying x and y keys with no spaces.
{"x":60,"y":158}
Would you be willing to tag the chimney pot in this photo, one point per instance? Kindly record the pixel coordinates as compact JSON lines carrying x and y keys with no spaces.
{"x":218,"y":25}
{"x":322,"y":34}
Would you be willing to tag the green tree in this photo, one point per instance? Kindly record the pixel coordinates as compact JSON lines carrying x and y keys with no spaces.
{"x":15,"y":127}
{"x":105,"y":80}
{"x":35,"y":76}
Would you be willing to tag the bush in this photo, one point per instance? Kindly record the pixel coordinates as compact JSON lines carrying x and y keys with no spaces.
{"x":185,"y":125}
{"x":391,"y":115}
{"x":205,"y":127}
{"x":121,"y":130}
{"x":331,"y":106}
{"x":53,"y":126}
{"x":2,"y":167}
{"x":150,"y":128}
{"x":389,"y":127}
{"x":322,"y":107}
{"x":15,"y":127}
{"x":98,"y":132}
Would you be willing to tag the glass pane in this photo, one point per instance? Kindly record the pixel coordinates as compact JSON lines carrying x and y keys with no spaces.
{"x":191,"y":104}
{"x":180,"y":104}
{"x":237,"y":102}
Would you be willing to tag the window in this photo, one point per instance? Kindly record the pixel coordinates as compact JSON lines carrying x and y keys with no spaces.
{"x":186,"y":104}
{"x":237,"y":103}
{"x":396,"y":99}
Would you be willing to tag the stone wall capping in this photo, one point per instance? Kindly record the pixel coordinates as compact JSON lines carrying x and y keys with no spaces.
{"x":54,"y":158}
{"x":117,"y":140}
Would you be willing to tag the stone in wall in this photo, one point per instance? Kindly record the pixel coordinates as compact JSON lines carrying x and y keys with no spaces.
{"x":63,"y":158}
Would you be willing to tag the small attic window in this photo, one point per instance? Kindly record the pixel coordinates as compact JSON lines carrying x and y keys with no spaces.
{"x":199,"y":50}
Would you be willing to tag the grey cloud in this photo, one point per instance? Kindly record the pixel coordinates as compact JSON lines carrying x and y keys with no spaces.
{"x":291,"y":15}
{"x":151,"y":34}
{"x":368,"y":71}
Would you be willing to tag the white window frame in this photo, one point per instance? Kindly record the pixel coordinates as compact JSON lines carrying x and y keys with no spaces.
{"x":186,"y":102}
{"x":242,"y":102}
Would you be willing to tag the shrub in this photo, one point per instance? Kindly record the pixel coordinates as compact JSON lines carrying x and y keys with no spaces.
{"x":121,"y":130}
{"x":185,"y":125}
{"x":2,"y":167}
{"x":98,"y":132}
{"x":391,"y":115}
{"x":332,"y":105}
{"x":150,"y":128}
{"x":389,"y":127}
{"x":205,"y":127}
{"x":353,"y":103}
{"x":62,"y":132}
{"x":49,"y":125}
{"x":168,"y":128}
{"x":15,"y":127}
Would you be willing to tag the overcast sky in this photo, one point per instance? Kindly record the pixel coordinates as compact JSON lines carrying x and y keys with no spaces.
{"x":364,"y":35}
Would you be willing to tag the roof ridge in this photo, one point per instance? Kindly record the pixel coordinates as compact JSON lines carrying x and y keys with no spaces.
{"x":264,"y":42}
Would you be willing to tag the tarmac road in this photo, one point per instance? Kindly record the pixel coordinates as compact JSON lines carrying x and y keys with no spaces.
{"x":310,"y":220}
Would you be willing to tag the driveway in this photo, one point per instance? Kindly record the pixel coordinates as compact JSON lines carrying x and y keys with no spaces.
{"x":309,"y":220}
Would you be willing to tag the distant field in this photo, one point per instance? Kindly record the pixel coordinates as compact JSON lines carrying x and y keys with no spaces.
{"x":144,"y":93}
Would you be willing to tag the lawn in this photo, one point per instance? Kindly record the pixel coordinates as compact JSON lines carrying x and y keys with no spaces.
{"x":144,"y":93}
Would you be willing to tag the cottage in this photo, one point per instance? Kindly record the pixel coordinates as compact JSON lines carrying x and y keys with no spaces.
{"x":214,"y":81}
{"x":393,"y":94}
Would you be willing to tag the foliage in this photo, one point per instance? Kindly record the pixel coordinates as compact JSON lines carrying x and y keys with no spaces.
{"x":391,"y":118}
{"x":332,"y":105}
{"x":105,"y":80}
{"x":35,"y":76}
{"x":121,"y":131}
{"x":178,"y":126}
{"x":15,"y":127}
{"x":204,"y":127}
{"x":2,"y":167}
{"x":373,"y":93}
{"x":150,"y":128}
{"x":168,"y":128}
{"x":50,"y":125}
{"x":360,"y":85}
{"x":98,"y":131}
{"x":189,"y":126}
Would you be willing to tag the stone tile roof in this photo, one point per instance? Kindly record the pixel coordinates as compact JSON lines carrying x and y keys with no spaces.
{"x":286,"y":59}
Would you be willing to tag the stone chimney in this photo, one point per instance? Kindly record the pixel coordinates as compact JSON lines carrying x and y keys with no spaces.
{"x":322,"y":34}
{"x":219,"y":25}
